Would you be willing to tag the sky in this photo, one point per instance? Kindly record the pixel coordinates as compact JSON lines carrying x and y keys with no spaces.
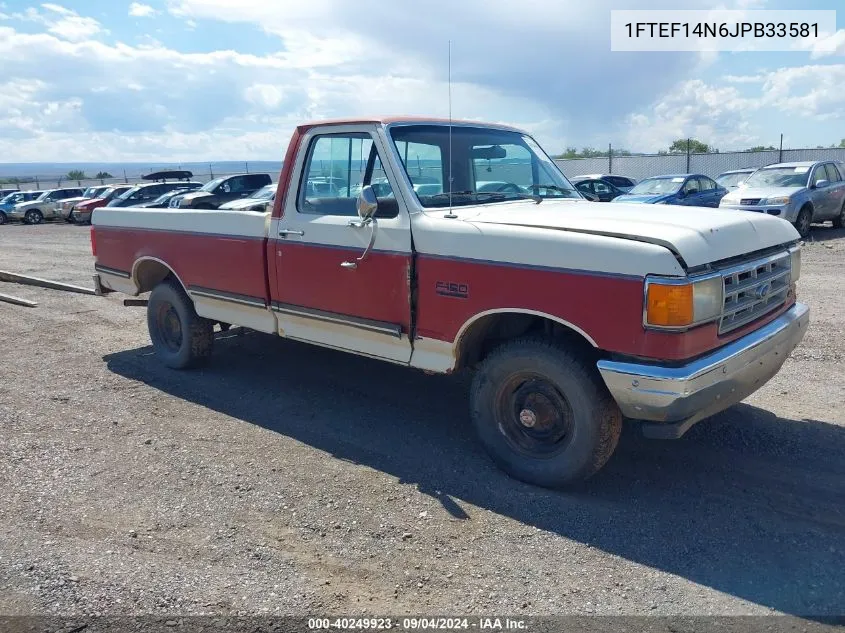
{"x":198,"y":80}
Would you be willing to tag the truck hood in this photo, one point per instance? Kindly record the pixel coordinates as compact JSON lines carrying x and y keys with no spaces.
{"x":762,"y":192}
{"x":698,"y":235}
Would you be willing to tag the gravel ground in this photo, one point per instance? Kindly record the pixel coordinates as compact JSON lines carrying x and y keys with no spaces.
{"x":284,"y":479}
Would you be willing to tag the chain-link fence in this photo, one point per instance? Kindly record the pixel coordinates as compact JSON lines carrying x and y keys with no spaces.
{"x":712,"y":164}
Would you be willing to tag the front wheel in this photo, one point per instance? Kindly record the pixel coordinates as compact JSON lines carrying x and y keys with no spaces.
{"x":3,"y":218}
{"x":543,"y":414}
{"x":33,"y":217}
{"x":180,"y":337}
{"x":802,"y":222}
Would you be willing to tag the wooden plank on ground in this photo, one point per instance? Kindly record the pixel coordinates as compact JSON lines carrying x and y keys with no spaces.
{"x":17,"y":301}
{"x":28,"y":280}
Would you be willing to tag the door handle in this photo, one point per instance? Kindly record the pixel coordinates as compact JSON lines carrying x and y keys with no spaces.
{"x":286,"y":232}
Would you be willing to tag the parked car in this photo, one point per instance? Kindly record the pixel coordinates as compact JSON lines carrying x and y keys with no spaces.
{"x":222,"y":190}
{"x":8,"y":202}
{"x":89,"y":194}
{"x":734,"y":178}
{"x":163,"y":201}
{"x":256,"y":202}
{"x":81,"y":212}
{"x":623,"y":183}
{"x":691,"y":190}
{"x":598,"y":188}
{"x":800,"y":193}
{"x":141,"y":194}
{"x":572,"y":315}
{"x":47,"y":206}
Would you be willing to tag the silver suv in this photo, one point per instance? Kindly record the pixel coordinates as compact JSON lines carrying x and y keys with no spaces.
{"x":47,"y":206}
{"x":800,"y":193}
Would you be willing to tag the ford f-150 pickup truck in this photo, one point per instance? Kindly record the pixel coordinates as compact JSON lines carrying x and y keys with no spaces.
{"x":572,"y":314}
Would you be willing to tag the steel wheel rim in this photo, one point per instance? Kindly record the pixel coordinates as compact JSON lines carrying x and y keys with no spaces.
{"x":535,"y":418}
{"x":169,"y":326}
{"x":804,"y":225}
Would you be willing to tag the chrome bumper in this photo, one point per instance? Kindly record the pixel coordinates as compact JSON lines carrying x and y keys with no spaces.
{"x":678,"y":397}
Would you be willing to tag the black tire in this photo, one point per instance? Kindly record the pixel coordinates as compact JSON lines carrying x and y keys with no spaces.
{"x":802,"y":222}
{"x":838,"y":221}
{"x":180,"y":337}
{"x":34,"y":216}
{"x":579,"y":422}
{"x":3,"y":218}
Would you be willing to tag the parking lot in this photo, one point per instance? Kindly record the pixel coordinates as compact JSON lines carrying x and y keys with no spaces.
{"x":290,"y":479}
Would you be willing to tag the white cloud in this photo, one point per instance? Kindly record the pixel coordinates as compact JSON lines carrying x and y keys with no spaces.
{"x":62,"y":22}
{"x":139,"y":10}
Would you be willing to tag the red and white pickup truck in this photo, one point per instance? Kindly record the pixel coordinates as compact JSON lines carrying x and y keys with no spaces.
{"x":443,"y":246}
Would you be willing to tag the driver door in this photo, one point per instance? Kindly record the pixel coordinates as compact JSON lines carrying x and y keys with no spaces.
{"x":326,"y":291}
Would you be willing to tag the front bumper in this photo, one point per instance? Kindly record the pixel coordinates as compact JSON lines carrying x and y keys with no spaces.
{"x":781,"y":211}
{"x":675,"y":398}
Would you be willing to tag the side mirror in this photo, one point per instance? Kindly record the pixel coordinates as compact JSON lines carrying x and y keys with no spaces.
{"x":821,"y":184}
{"x":367,"y":204}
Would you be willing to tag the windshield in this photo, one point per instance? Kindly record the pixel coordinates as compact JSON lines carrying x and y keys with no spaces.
{"x":211,"y":185}
{"x":112,"y":192}
{"x":265,"y":193}
{"x":732,"y":180}
{"x":12,"y":197}
{"x":43,"y":196}
{"x":93,"y":192}
{"x":669,"y":184}
{"x":128,"y":193}
{"x":488,"y":165}
{"x":779,"y":177}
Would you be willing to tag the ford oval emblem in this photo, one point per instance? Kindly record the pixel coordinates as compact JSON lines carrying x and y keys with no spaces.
{"x":763,"y":291}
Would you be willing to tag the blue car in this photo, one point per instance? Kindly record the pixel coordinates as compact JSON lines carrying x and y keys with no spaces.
{"x":693,"y":190}
{"x":8,"y":202}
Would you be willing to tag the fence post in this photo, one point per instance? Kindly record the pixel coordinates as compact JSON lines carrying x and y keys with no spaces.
{"x":689,"y":145}
{"x":609,"y":158}
{"x":37,"y":184}
{"x":211,"y":171}
{"x":125,"y":179}
{"x":780,"y":151}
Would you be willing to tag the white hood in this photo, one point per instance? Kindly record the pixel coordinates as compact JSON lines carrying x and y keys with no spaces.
{"x":698,"y":235}
{"x":762,"y":192}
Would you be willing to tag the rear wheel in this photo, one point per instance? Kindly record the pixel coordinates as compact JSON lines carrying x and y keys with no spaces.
{"x":802,"y":222}
{"x":33,"y":216}
{"x":838,"y":221}
{"x":180,"y":337}
{"x":543,"y":414}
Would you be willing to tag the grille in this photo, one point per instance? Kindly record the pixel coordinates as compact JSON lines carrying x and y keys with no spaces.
{"x":753,"y":289}
{"x":750,"y":201}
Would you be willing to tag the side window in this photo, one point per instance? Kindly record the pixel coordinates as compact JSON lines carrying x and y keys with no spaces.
{"x":233,"y":185}
{"x":832,"y":173}
{"x":691,"y":186}
{"x":818,"y":174}
{"x":337,"y":168}
{"x":424,"y":164}
{"x":706,"y":184}
{"x":256,"y":181}
{"x":586,"y":187}
{"x":600,"y":187}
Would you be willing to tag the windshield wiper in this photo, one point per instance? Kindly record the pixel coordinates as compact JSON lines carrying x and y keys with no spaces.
{"x":554,"y":188}
{"x":502,"y":195}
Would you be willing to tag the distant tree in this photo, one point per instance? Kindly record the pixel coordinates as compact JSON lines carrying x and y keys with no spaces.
{"x":591,"y":152}
{"x":679,"y":146}
{"x":760,"y":148}
{"x":102,"y":175}
{"x":76,"y":174}
{"x":842,"y":143}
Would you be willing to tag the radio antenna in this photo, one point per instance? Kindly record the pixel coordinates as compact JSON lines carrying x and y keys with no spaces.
{"x":449,"y":81}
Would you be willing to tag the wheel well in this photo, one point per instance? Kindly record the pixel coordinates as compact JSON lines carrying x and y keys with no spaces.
{"x":149,"y":273}
{"x":490,"y":331}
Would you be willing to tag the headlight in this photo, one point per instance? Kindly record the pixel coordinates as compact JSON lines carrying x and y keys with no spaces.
{"x":675,"y":303}
{"x":779,"y":201}
{"x":795,"y":262}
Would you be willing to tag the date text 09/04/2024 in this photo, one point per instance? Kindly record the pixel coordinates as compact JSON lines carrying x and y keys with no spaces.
{"x":417,"y":624}
{"x":721,"y":30}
